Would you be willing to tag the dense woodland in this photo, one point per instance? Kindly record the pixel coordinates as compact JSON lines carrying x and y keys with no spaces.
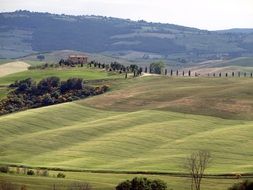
{"x":29,"y":94}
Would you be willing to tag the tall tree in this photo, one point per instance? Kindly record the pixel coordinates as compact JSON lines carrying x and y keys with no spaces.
{"x":157,"y":67}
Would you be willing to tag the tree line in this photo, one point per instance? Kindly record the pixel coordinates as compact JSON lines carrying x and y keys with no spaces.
{"x":29,"y":94}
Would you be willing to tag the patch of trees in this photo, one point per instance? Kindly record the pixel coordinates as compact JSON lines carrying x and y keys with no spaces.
{"x":29,"y":94}
{"x":43,"y":66}
{"x":40,"y":57}
{"x":117,"y":67}
{"x":139,"y":183}
{"x":157,"y":67}
{"x":66,"y":62}
{"x":113,"y":66}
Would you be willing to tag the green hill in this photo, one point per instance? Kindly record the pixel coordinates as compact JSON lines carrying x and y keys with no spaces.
{"x":24,"y":32}
{"x":145,"y":124}
{"x":132,"y":127}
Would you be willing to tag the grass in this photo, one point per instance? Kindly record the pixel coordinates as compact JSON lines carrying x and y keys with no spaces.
{"x":13,"y":67}
{"x":74,"y":136}
{"x":241,"y":61}
{"x":221,"y":97}
{"x":63,"y":73}
{"x":147,"y":124}
{"x":3,"y":61}
{"x":109,"y":181}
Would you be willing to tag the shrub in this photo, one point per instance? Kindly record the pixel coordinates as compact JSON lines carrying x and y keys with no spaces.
{"x":245,"y":185}
{"x":45,"y":173}
{"x":4,"y":169}
{"x":61,"y":175}
{"x":142,"y":184}
{"x":79,"y":186}
{"x":30,"y":172}
{"x":157,"y":67}
{"x":125,"y":185}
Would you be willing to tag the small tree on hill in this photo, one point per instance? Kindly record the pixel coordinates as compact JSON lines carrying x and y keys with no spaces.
{"x":157,"y":67}
{"x":196,"y":165}
{"x":40,"y":57}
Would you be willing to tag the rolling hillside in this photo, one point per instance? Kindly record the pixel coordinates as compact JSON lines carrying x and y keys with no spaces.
{"x":73,"y":136}
{"x":24,"y":32}
{"x":138,"y":120}
{"x":242,"y":64}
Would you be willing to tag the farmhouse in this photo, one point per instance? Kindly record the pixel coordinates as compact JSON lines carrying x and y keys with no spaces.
{"x":77,"y":59}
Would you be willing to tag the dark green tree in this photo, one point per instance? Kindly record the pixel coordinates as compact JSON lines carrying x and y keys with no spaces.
{"x":157,"y":67}
{"x":245,"y":185}
{"x":139,"y":183}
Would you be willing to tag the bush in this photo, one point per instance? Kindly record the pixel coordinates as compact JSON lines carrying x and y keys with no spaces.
{"x":245,"y":185}
{"x":142,"y":184}
{"x":79,"y":186}
{"x":30,"y":172}
{"x":4,"y":169}
{"x":45,"y":173}
{"x":125,"y":185}
{"x":157,"y":67}
{"x":61,"y":175}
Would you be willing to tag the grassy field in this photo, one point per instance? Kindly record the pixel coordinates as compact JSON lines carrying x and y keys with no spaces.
{"x":63,"y":73}
{"x":229,"y":98}
{"x":148,"y":124}
{"x":109,"y":181}
{"x":13,"y":67}
{"x":74,"y":136}
{"x":241,"y":64}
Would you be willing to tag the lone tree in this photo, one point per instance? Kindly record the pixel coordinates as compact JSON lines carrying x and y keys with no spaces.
{"x":196,"y":164}
{"x":40,"y":57}
{"x":157,"y":67}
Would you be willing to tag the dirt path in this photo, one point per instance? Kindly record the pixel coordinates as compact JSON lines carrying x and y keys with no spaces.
{"x":148,"y":74}
{"x":13,"y":67}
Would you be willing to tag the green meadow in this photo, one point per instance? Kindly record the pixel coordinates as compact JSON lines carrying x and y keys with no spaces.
{"x":145,"y":124}
{"x":87,"y":74}
{"x":100,"y":181}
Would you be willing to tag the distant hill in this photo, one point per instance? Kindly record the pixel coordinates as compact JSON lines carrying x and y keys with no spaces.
{"x":24,"y":32}
{"x":237,"y":30}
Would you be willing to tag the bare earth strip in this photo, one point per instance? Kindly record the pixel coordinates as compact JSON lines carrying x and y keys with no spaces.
{"x":13,"y":67}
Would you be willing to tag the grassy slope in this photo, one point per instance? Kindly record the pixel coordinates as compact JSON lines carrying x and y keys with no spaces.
{"x":109,"y":181}
{"x":87,"y":74}
{"x":242,"y":64}
{"x":222,"y":97}
{"x":13,"y":67}
{"x":73,"y":136}
{"x":133,"y":128}
{"x":56,"y":56}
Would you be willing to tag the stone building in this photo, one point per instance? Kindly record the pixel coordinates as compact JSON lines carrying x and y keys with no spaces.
{"x":78,"y":59}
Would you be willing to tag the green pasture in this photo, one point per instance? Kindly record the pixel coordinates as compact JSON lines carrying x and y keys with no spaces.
{"x":108,"y":181}
{"x":78,"y":137}
{"x":63,"y":73}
